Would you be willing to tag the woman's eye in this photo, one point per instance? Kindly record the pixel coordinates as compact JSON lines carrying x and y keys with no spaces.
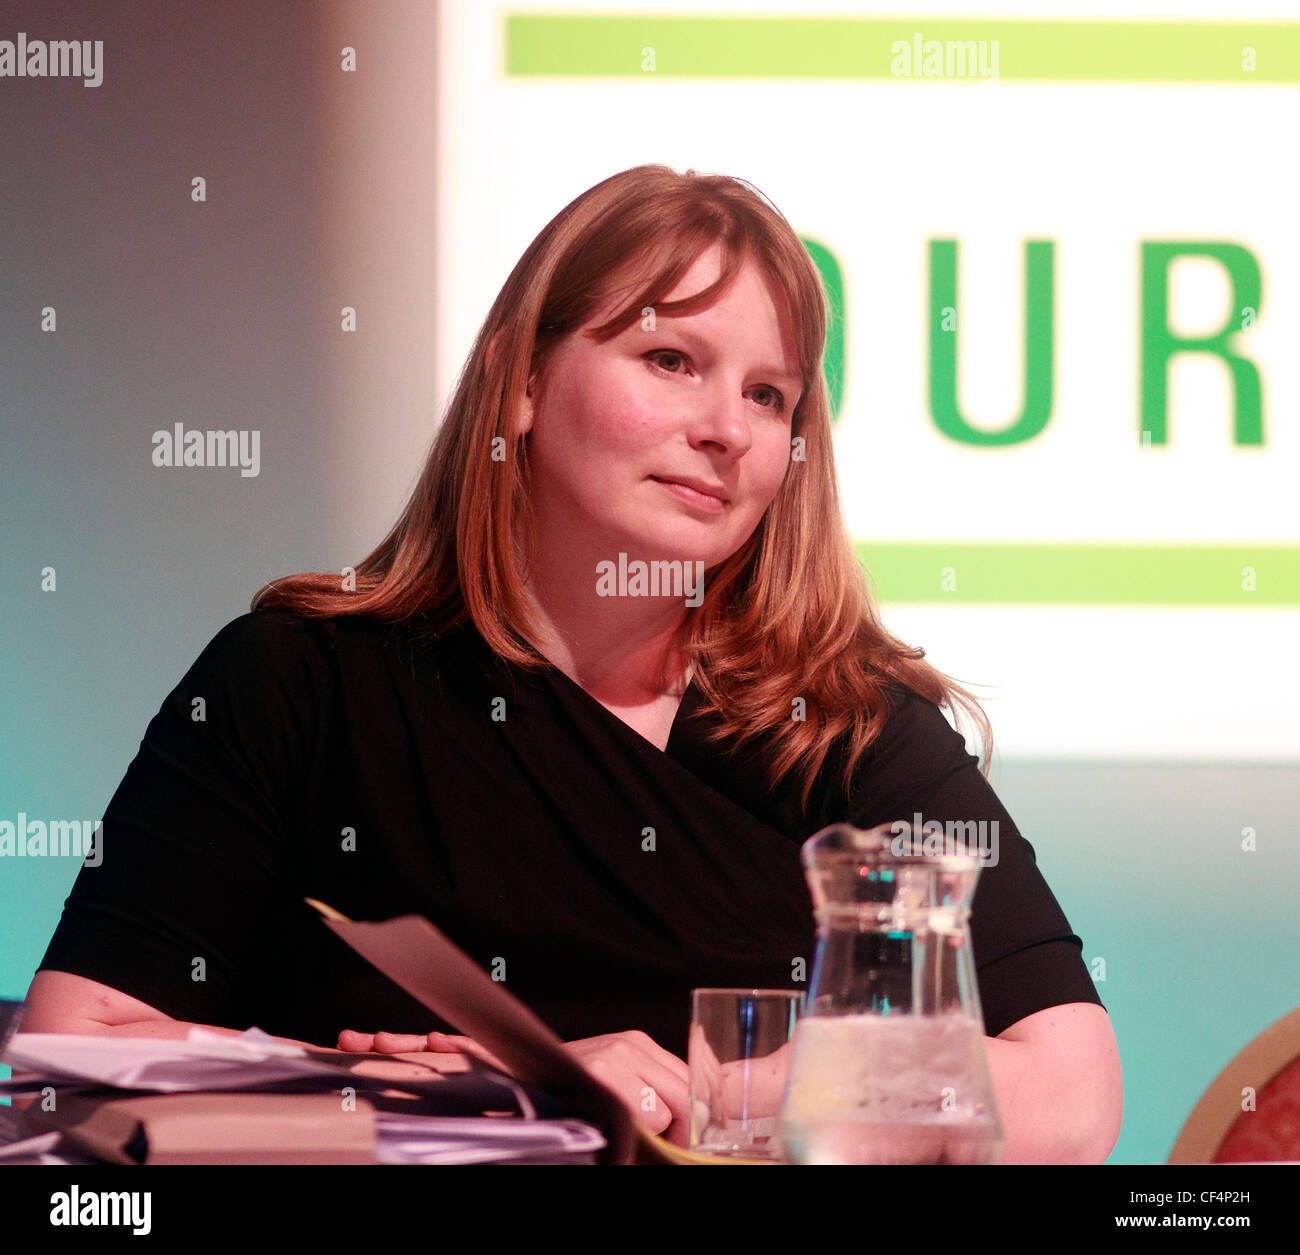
{"x":669,"y":353}
{"x":776,"y":404}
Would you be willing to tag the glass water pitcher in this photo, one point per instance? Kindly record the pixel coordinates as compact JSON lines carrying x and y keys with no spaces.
{"x":888,"y":1062}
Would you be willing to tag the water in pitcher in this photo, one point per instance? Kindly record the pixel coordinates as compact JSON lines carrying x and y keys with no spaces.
{"x":889,"y":1089}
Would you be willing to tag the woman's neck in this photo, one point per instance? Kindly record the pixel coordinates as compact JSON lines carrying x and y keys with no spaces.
{"x":617,"y":648}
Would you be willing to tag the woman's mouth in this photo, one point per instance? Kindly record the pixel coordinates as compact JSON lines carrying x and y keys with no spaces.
{"x":692,"y":496}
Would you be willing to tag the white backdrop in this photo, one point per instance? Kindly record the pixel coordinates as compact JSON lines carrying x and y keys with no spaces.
{"x":874,"y":170}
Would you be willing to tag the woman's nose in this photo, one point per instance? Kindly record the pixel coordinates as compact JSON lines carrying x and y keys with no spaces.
{"x":720,"y":418}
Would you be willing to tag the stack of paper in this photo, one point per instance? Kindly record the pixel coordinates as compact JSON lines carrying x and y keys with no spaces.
{"x":253,"y":1099}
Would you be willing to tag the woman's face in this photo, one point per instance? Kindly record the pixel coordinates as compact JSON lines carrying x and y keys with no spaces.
{"x":706,"y":398}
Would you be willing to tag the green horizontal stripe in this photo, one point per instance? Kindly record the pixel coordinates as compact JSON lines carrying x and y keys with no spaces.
{"x":1140,"y":575}
{"x":860,"y":48}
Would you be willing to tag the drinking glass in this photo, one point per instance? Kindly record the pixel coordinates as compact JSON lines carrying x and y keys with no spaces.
{"x":739,"y":1057}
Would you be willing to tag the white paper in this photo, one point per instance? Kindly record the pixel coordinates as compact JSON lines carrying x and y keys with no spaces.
{"x":214,"y":1061}
{"x":206,"y":1061}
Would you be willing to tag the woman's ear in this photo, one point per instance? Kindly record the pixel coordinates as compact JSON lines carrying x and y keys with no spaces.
{"x":527,"y":411}
{"x":524,"y":414}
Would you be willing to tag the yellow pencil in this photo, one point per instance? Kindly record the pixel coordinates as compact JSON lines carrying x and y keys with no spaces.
{"x":328,"y":911}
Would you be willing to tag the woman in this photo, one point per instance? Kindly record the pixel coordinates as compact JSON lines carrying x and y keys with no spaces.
{"x":596,"y":784}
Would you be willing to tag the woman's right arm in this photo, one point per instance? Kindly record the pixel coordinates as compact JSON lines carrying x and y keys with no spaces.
{"x":194,"y":847}
{"x":59,"y":1002}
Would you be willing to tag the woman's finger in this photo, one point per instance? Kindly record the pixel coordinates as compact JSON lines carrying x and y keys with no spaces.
{"x":446,"y":1042}
{"x":640,"y":1097}
{"x":362,"y":1043}
{"x":667,"y":1091}
{"x":400,"y":1043}
{"x":656,"y":1093}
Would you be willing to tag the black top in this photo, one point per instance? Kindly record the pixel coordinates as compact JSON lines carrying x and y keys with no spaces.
{"x":600,"y":877}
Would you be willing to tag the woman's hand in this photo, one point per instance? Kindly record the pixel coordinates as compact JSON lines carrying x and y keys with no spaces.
{"x":653,"y":1084}
{"x":744,"y":1089}
{"x":413,"y":1043}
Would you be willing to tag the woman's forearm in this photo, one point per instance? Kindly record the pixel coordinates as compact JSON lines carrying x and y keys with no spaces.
{"x":178,"y":1030}
{"x":170,"y":1030}
{"x":1046,"y":1116}
{"x":164,"y":1030}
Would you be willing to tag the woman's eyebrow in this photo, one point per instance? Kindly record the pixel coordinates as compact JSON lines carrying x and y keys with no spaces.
{"x":672,"y":326}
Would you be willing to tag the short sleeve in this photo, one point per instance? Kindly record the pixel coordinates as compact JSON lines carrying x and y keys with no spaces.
{"x":1027,"y":958}
{"x":193,"y":838}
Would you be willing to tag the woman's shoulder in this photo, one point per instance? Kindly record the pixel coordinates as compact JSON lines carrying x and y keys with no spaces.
{"x":915,"y":748}
{"x":282,"y":634}
{"x":265,"y":642}
{"x":283,"y":654}
{"x":916,"y":731}
{"x":268,"y":638}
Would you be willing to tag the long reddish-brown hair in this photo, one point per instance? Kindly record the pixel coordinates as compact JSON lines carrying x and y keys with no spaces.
{"x":788,"y":616}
